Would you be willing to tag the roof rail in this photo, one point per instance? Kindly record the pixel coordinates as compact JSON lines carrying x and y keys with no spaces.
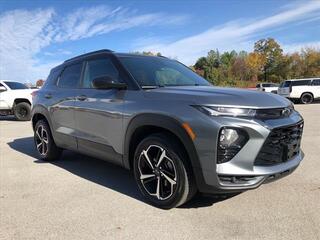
{"x":88,"y":54}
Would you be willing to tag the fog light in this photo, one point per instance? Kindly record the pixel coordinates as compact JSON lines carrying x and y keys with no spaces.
{"x":231,"y":140}
{"x":228,"y":137}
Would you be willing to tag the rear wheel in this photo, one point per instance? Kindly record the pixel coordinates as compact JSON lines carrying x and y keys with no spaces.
{"x":306,"y":98}
{"x":22,"y":111}
{"x":46,"y":148}
{"x":162,"y":172}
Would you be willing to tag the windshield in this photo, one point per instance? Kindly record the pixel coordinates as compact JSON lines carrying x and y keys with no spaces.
{"x":270,"y":85}
{"x":16,"y":85}
{"x":160,"y":72}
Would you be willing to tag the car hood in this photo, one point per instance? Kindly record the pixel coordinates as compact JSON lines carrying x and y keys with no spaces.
{"x":24,"y":90}
{"x":209,"y":95}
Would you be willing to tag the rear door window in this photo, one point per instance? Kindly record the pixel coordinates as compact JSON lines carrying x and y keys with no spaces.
{"x":301,"y":83}
{"x":70,"y":77}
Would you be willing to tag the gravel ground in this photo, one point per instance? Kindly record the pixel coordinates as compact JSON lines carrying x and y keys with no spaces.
{"x":83,"y":198}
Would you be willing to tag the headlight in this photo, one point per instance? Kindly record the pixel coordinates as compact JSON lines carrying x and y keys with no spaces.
{"x":263,"y":114}
{"x":227,"y":111}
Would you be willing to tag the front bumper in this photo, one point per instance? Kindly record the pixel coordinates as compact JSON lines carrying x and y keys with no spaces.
{"x":242,"y":172}
{"x":260,"y":174}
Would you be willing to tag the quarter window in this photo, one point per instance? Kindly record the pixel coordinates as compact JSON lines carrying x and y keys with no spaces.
{"x":70,"y":76}
{"x":98,"y":68}
{"x":52,"y":78}
{"x":316,"y":82}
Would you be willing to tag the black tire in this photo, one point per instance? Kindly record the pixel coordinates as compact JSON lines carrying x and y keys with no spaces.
{"x":44,"y":143}
{"x":174,"y":167}
{"x":306,"y":98}
{"x":22,"y":111}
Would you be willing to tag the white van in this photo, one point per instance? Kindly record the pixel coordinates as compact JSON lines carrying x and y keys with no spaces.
{"x":304,"y":90}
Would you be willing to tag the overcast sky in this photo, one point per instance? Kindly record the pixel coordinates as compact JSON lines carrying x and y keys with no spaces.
{"x":37,"y":35}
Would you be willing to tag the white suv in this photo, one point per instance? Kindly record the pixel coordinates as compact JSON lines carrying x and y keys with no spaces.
{"x":15,"y":98}
{"x":303,"y":90}
{"x":267,"y":87}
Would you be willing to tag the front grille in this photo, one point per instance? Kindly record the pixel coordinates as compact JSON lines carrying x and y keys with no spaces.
{"x":281,"y":145}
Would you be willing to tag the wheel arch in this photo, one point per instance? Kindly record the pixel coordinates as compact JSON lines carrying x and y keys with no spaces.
{"x":145,"y":124}
{"x":306,"y":92}
{"x":40,"y":113}
{"x":20,"y":100}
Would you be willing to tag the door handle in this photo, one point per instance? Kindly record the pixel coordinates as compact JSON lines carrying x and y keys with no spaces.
{"x":81,"y":97}
{"x":48,"y":96}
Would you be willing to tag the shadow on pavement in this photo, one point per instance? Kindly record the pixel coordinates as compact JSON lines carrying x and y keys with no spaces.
{"x":103,"y":173}
{"x":8,"y":118}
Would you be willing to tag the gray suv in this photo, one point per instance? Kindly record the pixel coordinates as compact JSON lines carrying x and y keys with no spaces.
{"x":175,"y":131}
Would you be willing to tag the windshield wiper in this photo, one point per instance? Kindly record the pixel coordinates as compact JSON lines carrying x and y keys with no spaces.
{"x":151,"y":86}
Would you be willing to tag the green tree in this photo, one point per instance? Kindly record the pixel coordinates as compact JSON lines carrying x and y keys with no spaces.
{"x":201,"y":63}
{"x":271,"y":52}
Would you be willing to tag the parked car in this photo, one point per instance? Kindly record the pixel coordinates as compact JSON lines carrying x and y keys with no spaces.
{"x":172,"y":128}
{"x":301,"y":90}
{"x":267,"y":87}
{"x":15,"y":98}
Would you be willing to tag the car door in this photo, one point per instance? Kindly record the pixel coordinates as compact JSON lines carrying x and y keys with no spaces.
{"x":316,"y":86}
{"x":99,"y":113}
{"x":61,"y":99}
{"x":3,"y":97}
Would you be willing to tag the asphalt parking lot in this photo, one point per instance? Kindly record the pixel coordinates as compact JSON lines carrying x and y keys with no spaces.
{"x":83,"y":198}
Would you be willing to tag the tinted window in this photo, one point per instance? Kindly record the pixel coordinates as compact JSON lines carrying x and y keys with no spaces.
{"x":70,"y":76}
{"x":258,"y":85}
{"x":1,"y":85}
{"x":51,"y":79}
{"x":99,"y":68}
{"x":300,"y":83}
{"x":316,"y":82}
{"x":16,"y":85}
{"x":286,"y":84}
{"x":156,"y":71}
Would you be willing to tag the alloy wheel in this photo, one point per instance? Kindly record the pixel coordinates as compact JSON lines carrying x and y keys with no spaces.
{"x":22,"y":112}
{"x":307,"y":98}
{"x":42,"y":140}
{"x":158,"y":173}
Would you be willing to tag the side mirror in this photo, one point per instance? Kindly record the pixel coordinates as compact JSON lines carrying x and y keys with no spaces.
{"x":107,"y":82}
{"x":2,"y":89}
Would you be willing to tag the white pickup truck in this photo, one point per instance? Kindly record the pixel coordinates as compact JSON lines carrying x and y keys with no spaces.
{"x":301,"y":90}
{"x":15,"y":98}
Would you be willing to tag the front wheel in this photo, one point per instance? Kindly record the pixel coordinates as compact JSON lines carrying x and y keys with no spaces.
{"x":22,"y":111}
{"x":162,"y":172}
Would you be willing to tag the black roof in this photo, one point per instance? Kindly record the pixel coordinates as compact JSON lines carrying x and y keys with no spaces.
{"x":89,"y":54}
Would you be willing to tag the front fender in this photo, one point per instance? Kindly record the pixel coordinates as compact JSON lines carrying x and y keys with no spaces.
{"x":170,"y":124}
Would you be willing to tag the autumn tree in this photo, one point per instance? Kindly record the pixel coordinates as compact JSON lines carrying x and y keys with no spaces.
{"x":311,"y":59}
{"x":39,"y":83}
{"x":255,"y":63}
